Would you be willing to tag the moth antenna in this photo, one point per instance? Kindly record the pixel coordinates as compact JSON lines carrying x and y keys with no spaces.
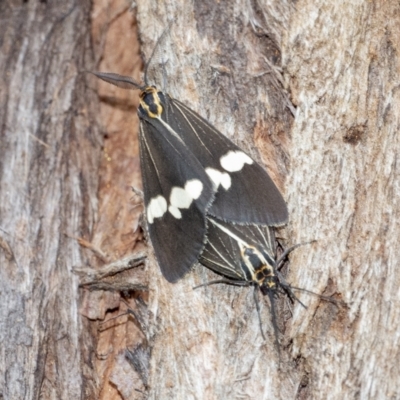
{"x":326,"y":298}
{"x":164,"y":76}
{"x":122,"y":81}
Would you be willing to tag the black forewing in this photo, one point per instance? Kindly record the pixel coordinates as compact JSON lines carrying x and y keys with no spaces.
{"x":222,"y":251}
{"x":166,"y":163}
{"x":252,"y":198}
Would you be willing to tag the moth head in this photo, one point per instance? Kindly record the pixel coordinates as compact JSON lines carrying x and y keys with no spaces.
{"x":259,"y":267}
{"x":152,"y":102}
{"x":269,"y":284}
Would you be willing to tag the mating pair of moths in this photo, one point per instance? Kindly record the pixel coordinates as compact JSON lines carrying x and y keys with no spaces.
{"x":206,"y":200}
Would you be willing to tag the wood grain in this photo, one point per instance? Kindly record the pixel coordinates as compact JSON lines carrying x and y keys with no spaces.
{"x":49,"y":163}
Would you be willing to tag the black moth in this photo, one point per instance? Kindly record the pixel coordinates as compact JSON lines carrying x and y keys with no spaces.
{"x":245,"y":255}
{"x":189,"y":170}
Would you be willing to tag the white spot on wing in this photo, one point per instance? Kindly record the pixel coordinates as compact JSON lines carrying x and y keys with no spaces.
{"x":234,"y":161}
{"x":219,"y":178}
{"x":180,"y":198}
{"x":194,"y":188}
{"x":156,"y":208}
{"x":175,"y":212}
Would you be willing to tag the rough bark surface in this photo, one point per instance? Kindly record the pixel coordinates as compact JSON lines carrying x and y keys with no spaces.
{"x":343,"y":68}
{"x":340,"y":63}
{"x":49,"y":161}
{"x":247,"y":67}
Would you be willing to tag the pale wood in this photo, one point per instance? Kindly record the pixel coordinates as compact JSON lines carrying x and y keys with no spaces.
{"x":343,"y":69}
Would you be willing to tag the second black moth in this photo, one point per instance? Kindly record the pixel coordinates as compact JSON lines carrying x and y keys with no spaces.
{"x":246,"y":255}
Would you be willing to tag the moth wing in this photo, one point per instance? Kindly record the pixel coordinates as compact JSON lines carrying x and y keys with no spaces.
{"x":222,"y":252}
{"x":246,"y":193}
{"x":177,"y":194}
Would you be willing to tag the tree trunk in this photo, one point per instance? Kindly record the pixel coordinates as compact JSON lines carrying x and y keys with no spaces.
{"x":49,"y":168}
{"x":340,"y":63}
{"x":248,"y":67}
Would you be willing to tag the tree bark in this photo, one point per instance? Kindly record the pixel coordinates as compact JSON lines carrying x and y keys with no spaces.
{"x":49,"y":166}
{"x":343,"y":69}
{"x":310,"y":90}
{"x":340,"y":63}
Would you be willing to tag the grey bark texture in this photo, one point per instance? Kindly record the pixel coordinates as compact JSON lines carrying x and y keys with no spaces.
{"x":49,"y":161}
{"x":310,"y":89}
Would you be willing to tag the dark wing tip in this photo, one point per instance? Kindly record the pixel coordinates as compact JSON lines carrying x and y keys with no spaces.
{"x":280,"y":217}
{"x":175,"y":272}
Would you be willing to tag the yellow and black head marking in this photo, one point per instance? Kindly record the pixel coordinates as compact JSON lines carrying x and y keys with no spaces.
{"x":151,"y":102}
{"x":259,"y":266}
